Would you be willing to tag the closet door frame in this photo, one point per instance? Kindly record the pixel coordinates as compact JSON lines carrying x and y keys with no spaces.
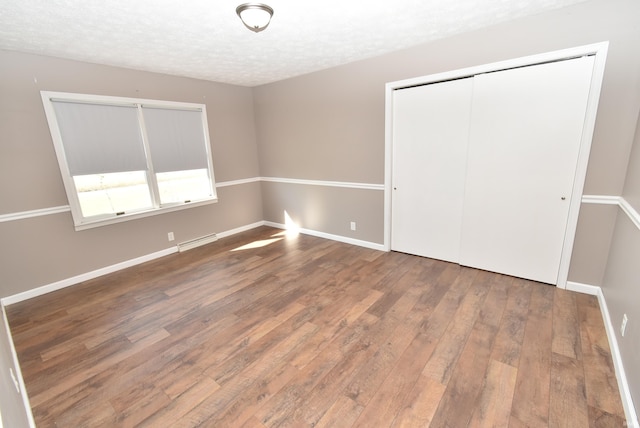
{"x":598,"y":50}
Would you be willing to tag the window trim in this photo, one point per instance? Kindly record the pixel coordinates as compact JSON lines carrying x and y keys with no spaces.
{"x":83,"y":223}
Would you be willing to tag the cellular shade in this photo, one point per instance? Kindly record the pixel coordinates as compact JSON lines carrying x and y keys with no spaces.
{"x":100,"y":138}
{"x":176,"y":139}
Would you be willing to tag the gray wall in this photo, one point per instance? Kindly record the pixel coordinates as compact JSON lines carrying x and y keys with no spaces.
{"x":42,"y":250}
{"x":316,"y":208}
{"x":329,"y":125}
{"x":621,"y":285}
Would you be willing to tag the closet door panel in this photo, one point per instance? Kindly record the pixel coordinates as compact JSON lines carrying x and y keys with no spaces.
{"x":430,"y":134}
{"x":525,"y":135}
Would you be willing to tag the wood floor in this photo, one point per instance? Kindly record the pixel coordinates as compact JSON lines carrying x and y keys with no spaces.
{"x":265,"y":330}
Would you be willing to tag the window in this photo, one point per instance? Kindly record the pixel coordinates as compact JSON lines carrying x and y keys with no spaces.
{"x":124,"y":158}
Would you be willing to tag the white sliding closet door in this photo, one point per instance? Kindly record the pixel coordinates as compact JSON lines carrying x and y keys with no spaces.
{"x":430,"y":134}
{"x":525,"y":135}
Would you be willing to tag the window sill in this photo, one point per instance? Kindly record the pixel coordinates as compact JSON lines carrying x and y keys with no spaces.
{"x":90,"y":224}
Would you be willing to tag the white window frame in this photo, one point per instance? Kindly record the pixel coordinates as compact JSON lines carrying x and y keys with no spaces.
{"x":81,"y":222}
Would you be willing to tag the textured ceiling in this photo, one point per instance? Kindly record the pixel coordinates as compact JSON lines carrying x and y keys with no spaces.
{"x":205,"y":39}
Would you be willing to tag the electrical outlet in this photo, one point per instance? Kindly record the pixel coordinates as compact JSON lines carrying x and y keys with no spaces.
{"x":623,"y":326}
{"x":353,"y":225}
{"x":170,"y":236}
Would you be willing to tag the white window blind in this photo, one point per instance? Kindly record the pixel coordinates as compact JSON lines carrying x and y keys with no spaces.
{"x":176,"y":139}
{"x":100,"y":138}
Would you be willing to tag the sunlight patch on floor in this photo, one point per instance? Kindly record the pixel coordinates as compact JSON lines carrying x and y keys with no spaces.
{"x":257,"y":244}
{"x":291,"y":230}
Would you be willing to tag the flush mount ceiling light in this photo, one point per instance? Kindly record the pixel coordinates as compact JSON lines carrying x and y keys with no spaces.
{"x":255,"y":16}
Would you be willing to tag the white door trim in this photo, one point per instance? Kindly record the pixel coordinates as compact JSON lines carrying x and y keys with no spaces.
{"x":599,"y":50}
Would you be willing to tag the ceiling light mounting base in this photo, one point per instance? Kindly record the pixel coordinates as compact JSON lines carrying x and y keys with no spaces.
{"x":255,"y":16}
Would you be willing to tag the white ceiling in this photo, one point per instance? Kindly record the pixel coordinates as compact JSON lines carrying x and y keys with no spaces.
{"x":205,"y":39}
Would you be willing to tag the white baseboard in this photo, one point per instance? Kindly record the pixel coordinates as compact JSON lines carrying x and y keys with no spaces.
{"x":39,"y":291}
{"x":583,"y":288}
{"x":339,"y":238}
{"x":240,"y":229}
{"x":623,"y":384}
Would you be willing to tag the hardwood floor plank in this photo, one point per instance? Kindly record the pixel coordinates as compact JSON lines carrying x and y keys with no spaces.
{"x":137,"y":411}
{"x":401,"y":326}
{"x":229,"y":367}
{"x":103,"y":362}
{"x":160,"y":363}
{"x":183,"y":378}
{"x":508,"y":344}
{"x":445,"y":356}
{"x":247,"y":403}
{"x":265,"y":329}
{"x":531,"y":398}
{"x":568,"y":397}
{"x":462,"y":393}
{"x":286,"y":406}
{"x":399,"y":287}
{"x":396,"y":388}
{"x":601,"y":419}
{"x":342,"y":413}
{"x":350,"y":320}
{"x":210,"y":408}
{"x":494,"y":405}
{"x":253,"y":423}
{"x":258,"y":330}
{"x":431,"y":313}
{"x":316,"y":402}
{"x":514,"y":422}
{"x":421,"y":404}
{"x":566,"y":328}
{"x":600,"y":379}
{"x":182,"y":404}
{"x":101,"y":414}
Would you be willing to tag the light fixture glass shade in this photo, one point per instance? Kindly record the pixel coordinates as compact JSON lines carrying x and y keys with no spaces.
{"x":255,"y":16}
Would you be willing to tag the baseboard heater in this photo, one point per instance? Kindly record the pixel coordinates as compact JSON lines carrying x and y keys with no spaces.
{"x":203,"y":240}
